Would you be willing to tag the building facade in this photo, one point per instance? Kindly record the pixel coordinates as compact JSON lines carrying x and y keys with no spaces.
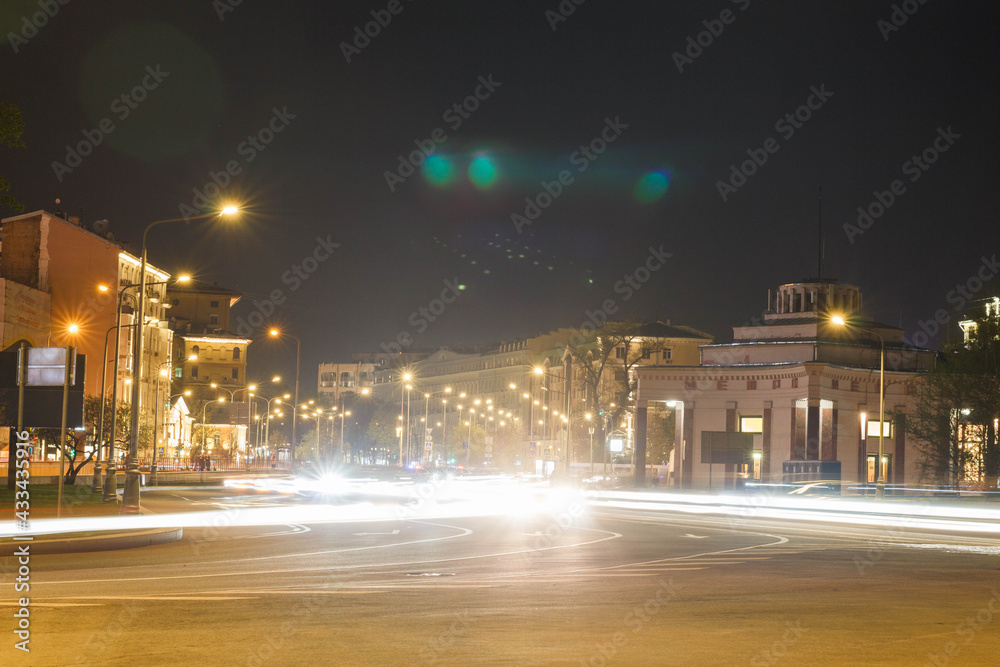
{"x":800,"y":387}
{"x":210,"y":363}
{"x":65,"y":280}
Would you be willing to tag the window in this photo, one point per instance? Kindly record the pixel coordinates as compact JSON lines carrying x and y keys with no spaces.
{"x":195,"y":349}
{"x":751,"y":424}
{"x":178,"y":372}
{"x":236,"y":353}
{"x":194,"y":372}
{"x":667,"y":354}
{"x":873,"y":429}
{"x":213,"y":304}
{"x":646,"y":354}
{"x":213,"y":320}
{"x":236,"y":373}
{"x":620,"y":352}
{"x":621,"y":376}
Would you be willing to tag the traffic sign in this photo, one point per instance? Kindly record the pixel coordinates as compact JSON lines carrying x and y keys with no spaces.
{"x":547,"y":452}
{"x":465,"y":445}
{"x":428,"y":446}
{"x":531,"y":449}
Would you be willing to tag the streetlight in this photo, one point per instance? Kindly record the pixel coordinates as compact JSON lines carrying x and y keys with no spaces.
{"x":879,"y":476}
{"x":180,"y":434}
{"x":590,"y":427}
{"x":130,"y":496}
{"x":298,"y":354}
{"x":156,"y":417}
{"x":402,"y":386}
{"x":204,"y":425}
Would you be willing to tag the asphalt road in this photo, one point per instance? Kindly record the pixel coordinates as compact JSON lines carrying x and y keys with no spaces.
{"x":545,"y":582}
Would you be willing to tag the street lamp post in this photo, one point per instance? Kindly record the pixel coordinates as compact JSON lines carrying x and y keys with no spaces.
{"x":590,"y":427}
{"x":110,"y":471}
{"x":204,"y":424}
{"x":130,"y":496}
{"x":156,"y":422}
{"x":298,"y":355}
{"x":402,"y":393}
{"x":879,"y":475}
{"x":95,"y":482}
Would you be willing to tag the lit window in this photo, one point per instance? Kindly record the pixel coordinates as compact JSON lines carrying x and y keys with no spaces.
{"x":873,"y":429}
{"x":752,"y":424}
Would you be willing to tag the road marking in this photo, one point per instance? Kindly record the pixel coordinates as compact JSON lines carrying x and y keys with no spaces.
{"x":395,"y":532}
{"x":295,"y":529}
{"x":332,"y":568}
{"x":697,"y":537}
{"x":36,"y":603}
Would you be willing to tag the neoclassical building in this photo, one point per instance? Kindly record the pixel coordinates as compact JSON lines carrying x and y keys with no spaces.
{"x":802,"y":390}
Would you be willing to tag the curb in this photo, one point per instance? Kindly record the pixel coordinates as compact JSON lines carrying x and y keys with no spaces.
{"x":111,"y":542}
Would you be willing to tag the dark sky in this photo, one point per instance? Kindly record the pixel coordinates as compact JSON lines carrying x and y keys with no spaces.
{"x":887,"y":95}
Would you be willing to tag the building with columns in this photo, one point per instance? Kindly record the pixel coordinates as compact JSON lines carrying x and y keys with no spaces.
{"x":802,"y":390}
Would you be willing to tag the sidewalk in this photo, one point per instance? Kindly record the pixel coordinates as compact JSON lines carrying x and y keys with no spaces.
{"x":62,"y":543}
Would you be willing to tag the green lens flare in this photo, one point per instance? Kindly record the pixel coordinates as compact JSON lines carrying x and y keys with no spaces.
{"x":482,"y":173}
{"x":438,"y":171}
{"x":652,"y":187}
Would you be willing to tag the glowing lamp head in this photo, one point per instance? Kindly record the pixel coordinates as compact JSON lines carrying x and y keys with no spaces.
{"x":229,"y":210}
{"x":73,"y":328}
{"x":838,"y":320}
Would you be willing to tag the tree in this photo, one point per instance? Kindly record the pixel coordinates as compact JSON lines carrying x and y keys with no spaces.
{"x":659,"y":433}
{"x":11,"y":129}
{"x":606,"y":362}
{"x":956,"y":408}
{"x":381,"y":430}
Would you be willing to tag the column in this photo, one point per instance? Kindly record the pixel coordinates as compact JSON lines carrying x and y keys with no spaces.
{"x":639,"y":455}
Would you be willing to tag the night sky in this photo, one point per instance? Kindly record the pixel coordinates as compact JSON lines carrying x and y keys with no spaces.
{"x":838,"y":96}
